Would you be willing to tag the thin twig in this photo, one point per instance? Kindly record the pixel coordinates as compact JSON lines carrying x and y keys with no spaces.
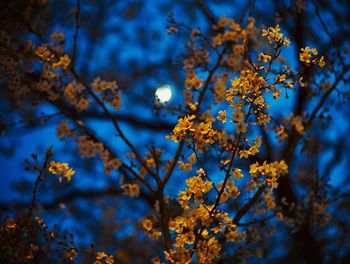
{"x":75,"y":38}
{"x":38,"y":180}
{"x":325,"y":29}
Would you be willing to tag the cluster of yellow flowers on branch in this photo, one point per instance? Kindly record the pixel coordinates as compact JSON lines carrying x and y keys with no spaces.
{"x":203,"y":133}
{"x":48,"y":56}
{"x":203,"y":222}
{"x":62,"y":170}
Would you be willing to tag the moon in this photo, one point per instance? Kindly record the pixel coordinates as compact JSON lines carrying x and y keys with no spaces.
{"x":164,"y":93}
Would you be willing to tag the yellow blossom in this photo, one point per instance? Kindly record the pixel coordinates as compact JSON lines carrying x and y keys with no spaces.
{"x":306,"y":55}
{"x":203,"y":133}
{"x":321,"y":62}
{"x":238,"y":116}
{"x":116,"y":101}
{"x":184,"y":126}
{"x":281,"y":133}
{"x":64,"y":61}
{"x":264,"y":57}
{"x":131,"y":189}
{"x":83,"y":104}
{"x":71,"y":254}
{"x":185,"y":166}
{"x":237,"y":174}
{"x":147,"y":224}
{"x":242,"y":127}
{"x":219,"y":91}
{"x":44,"y":53}
{"x":100,"y":85}
{"x":222,"y":116}
{"x":271,"y":170}
{"x":57,"y":35}
{"x":101,"y":255}
{"x":10,"y":224}
{"x":280,"y":78}
{"x":156,"y":260}
{"x":64,"y":131}
{"x":279,"y":216}
{"x":61,"y":169}
{"x":273,"y":35}
{"x":192,"y":80}
{"x":298,"y":124}
{"x":192,"y":158}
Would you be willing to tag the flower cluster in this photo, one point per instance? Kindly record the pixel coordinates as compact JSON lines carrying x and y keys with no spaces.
{"x":233,"y":31}
{"x":252,"y":150}
{"x":208,"y":247}
{"x":202,"y":133}
{"x":273,"y":34}
{"x":88,"y":148}
{"x":63,"y":62}
{"x":192,"y":80}
{"x":230,"y":190}
{"x":272,"y":171}
{"x":188,"y":165}
{"x":183,"y":128}
{"x":44,"y":53}
{"x":61,"y":169}
{"x":131,"y":189}
{"x":108,"y":90}
{"x":150,"y":229}
{"x":103,"y":258}
{"x":307,"y":56}
{"x":100,"y":85}
{"x":63,"y":131}
{"x":196,"y":187}
{"x":73,"y":93}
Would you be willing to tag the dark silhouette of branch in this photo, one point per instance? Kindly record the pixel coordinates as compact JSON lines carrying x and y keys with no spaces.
{"x":72,"y":197}
{"x":75,"y":38}
{"x":147,"y":124}
{"x":208,"y":13}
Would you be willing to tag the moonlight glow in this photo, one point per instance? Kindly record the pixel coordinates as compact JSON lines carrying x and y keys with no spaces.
{"x":163,"y":93}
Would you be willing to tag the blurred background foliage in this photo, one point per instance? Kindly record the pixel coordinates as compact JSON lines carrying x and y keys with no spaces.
{"x":128,"y":41}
